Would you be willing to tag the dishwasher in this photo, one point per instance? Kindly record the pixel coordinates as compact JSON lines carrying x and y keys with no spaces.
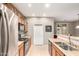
{"x":26,"y":46}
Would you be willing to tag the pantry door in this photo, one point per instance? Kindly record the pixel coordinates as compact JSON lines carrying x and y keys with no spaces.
{"x":38,"y":35}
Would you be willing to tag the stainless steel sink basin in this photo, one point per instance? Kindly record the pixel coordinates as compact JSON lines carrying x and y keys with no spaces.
{"x":65,"y":46}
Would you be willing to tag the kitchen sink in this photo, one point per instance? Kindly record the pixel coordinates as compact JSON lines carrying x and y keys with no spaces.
{"x":65,"y":46}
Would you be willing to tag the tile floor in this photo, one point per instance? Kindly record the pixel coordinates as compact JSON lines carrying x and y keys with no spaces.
{"x":38,"y":51}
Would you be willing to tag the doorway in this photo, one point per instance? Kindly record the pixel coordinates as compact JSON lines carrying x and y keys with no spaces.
{"x":38,"y":34}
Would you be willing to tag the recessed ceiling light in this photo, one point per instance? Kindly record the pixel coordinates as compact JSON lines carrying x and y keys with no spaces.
{"x":77,"y":27}
{"x":47,"y":5}
{"x":29,"y":5}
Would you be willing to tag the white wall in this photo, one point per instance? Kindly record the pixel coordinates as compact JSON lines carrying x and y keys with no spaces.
{"x":72,"y":30}
{"x":44,"y":22}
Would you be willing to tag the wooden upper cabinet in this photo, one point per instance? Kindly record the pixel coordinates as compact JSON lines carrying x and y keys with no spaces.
{"x":16,"y":11}
{"x":11,"y":7}
{"x":21,"y":17}
{"x":26,"y":27}
{"x":21,"y":20}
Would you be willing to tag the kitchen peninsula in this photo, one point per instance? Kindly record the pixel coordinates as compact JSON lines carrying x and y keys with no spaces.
{"x":60,"y":47}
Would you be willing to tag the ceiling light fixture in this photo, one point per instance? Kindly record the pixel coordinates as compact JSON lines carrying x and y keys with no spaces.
{"x":47,"y":5}
{"x":29,"y":5}
{"x":77,"y":27}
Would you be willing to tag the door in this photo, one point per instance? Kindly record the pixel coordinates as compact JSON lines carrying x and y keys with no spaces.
{"x":13,"y":28}
{"x":8,"y":33}
{"x":4,"y":34}
{"x":38,"y":34}
{"x":13,"y":32}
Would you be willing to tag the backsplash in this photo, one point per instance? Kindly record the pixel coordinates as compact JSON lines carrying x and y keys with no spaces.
{"x":22,"y":34}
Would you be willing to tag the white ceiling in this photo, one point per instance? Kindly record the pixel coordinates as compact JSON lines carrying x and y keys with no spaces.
{"x":61,"y":11}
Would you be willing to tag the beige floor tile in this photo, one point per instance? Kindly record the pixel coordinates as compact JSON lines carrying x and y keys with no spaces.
{"x":38,"y":51}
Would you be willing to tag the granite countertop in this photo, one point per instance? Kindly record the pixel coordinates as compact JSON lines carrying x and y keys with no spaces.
{"x":20,"y":42}
{"x":66,"y":52}
{"x":25,"y":37}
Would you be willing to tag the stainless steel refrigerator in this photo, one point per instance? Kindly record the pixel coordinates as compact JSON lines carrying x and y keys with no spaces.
{"x":8,"y":33}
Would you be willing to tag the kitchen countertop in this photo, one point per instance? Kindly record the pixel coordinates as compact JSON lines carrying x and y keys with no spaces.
{"x":20,"y":42}
{"x":66,"y":52}
{"x":26,"y":37}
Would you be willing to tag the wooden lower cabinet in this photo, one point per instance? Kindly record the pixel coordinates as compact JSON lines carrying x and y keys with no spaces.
{"x":53,"y":50}
{"x":21,"y":50}
{"x":57,"y":54}
{"x":56,"y":51}
{"x":30,"y":42}
{"x":49,"y":47}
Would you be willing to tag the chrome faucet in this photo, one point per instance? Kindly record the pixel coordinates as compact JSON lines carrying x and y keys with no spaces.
{"x":69,"y":40}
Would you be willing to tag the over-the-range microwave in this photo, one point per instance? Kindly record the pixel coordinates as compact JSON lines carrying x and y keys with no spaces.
{"x":21,"y":27}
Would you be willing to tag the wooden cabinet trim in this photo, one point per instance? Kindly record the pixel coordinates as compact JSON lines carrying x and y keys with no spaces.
{"x":21,"y":17}
{"x":14,"y":9}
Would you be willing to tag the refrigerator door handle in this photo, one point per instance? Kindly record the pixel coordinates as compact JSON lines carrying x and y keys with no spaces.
{"x":5,"y":34}
{"x":7,"y":25}
{"x":0,"y":32}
